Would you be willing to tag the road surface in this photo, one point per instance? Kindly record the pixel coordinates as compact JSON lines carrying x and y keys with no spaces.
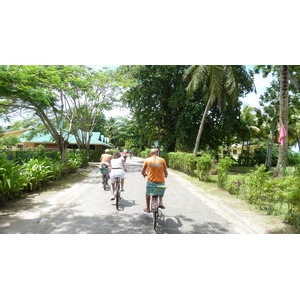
{"x":85,"y":208}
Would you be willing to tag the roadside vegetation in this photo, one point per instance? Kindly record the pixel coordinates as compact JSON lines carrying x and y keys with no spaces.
{"x":26,"y":171}
{"x":275,"y":195}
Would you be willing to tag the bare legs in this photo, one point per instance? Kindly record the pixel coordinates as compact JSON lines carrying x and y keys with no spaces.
{"x":148,"y":203}
{"x":122,"y":184}
{"x":112,"y":189}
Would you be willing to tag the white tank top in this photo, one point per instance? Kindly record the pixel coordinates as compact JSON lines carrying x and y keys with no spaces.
{"x":116,"y":163}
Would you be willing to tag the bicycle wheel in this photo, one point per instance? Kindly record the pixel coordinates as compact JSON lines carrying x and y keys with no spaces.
{"x":155,"y":213}
{"x":117,"y":195}
{"x":105,"y":182}
{"x":154,"y":219}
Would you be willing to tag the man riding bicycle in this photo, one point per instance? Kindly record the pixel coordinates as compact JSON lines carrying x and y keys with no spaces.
{"x":105,"y":161}
{"x":155,"y":168}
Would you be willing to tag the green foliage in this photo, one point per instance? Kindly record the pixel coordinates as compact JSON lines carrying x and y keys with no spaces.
{"x":165,"y":156}
{"x":52,"y":90}
{"x":297,"y":167}
{"x":204,"y":163}
{"x":222,"y":168}
{"x":75,"y":160}
{"x":95,"y":155}
{"x":11,"y":180}
{"x":257,"y":157}
{"x":8,"y":141}
{"x":292,"y":197}
{"x":256,"y":180}
{"x":280,"y":195}
{"x":30,"y":173}
{"x":36,"y":172}
{"x":234,"y":186}
{"x":158,"y":104}
{"x":184,"y":162}
{"x":145,"y":153}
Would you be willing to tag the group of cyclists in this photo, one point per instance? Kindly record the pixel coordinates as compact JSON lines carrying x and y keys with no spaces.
{"x":154,"y":167}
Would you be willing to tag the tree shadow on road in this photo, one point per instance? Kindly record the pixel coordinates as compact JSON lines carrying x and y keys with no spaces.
{"x":208,"y":228}
{"x":173,"y":224}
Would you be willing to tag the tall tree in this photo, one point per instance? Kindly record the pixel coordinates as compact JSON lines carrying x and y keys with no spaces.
{"x":283,"y":118}
{"x":156,"y":99}
{"x":67,"y":99}
{"x":224,"y":84}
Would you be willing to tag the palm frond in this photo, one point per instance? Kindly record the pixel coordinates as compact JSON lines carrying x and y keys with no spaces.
{"x":196,"y":75}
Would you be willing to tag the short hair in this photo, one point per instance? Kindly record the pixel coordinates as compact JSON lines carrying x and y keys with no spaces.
{"x":154,"y":150}
{"x":107,"y":150}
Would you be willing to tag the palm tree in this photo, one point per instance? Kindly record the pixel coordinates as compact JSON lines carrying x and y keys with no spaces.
{"x":249,"y":119}
{"x":283,"y":118}
{"x":222,"y":87}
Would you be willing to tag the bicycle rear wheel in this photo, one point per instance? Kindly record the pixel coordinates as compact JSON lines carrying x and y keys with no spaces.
{"x":105,"y":185}
{"x":155,"y":215}
{"x":117,"y":195}
{"x":104,"y":182}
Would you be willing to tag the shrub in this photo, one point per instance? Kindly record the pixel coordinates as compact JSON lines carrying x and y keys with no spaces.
{"x":75,"y":160}
{"x":36,"y":173}
{"x":145,"y":153}
{"x":256,"y":179}
{"x":234,"y":187}
{"x":184,"y":162}
{"x":203,"y":164}
{"x":291,"y":190}
{"x":11,"y":180}
{"x":222,"y":168}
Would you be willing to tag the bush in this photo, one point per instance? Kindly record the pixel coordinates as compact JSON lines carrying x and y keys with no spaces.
{"x":145,"y":153}
{"x":291,"y":189}
{"x":204,"y":163}
{"x":75,"y":160}
{"x":36,"y":173}
{"x":234,"y":187}
{"x":11,"y":180}
{"x":184,"y":162}
{"x":222,"y":168}
{"x":30,"y":174}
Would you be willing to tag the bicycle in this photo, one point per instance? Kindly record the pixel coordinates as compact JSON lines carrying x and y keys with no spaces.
{"x":104,"y":171}
{"x":158,"y":191}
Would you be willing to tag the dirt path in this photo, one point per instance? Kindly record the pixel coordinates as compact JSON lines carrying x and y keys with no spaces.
{"x":78,"y":204}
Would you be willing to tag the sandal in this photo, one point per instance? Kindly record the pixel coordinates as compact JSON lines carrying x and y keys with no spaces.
{"x":161,"y":206}
{"x":147,"y":210}
{"x":112,"y":198}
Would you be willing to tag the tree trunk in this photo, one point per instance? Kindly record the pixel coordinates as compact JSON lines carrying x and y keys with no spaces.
{"x":283,"y":119}
{"x":201,"y":128}
{"x":268,"y":162}
{"x":159,"y":135}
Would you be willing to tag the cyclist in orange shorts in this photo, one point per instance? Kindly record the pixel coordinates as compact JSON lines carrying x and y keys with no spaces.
{"x":155,"y":168}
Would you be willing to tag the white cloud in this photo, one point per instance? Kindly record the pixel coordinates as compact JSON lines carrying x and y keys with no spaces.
{"x":261,"y":85}
{"x":116,"y":112}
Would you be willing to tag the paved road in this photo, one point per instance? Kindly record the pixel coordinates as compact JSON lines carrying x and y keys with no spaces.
{"x":87,"y":208}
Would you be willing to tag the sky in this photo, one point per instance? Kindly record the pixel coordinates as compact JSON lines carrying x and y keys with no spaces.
{"x":261,"y":84}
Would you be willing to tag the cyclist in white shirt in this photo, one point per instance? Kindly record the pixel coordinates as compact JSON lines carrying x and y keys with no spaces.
{"x":117,"y":169}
